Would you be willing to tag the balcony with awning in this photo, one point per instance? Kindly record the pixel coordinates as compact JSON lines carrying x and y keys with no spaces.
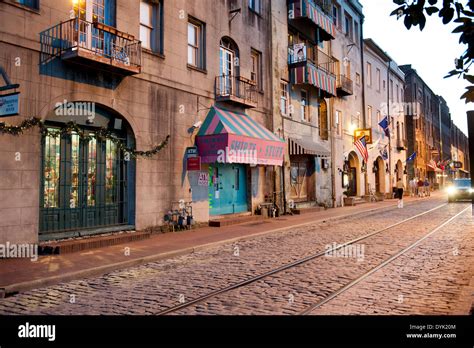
{"x":316,"y":12}
{"x":310,"y":66}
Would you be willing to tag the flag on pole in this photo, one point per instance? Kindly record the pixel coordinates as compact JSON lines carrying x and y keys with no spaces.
{"x":432,"y":164}
{"x":385,"y":126}
{"x":412,"y":157}
{"x":384,"y":153}
{"x":361,"y":146}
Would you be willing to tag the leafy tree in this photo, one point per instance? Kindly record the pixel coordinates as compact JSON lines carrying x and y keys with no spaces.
{"x":456,"y":11}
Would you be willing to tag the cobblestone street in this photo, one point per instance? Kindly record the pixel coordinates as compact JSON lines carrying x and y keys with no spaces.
{"x":431,"y":278}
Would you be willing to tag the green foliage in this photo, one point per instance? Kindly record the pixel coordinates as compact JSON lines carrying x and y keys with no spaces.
{"x":460,"y":12}
{"x":70,"y":127}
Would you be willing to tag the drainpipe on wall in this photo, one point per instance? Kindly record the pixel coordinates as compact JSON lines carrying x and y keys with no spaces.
{"x":333,"y":152}
{"x":389,"y":124}
{"x":366,"y":174}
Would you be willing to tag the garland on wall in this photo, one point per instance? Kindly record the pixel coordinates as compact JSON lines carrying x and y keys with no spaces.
{"x":72,"y":127}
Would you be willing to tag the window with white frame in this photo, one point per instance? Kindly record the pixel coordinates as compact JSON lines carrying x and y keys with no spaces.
{"x":150,"y":25}
{"x":377,"y":79}
{"x":338,"y":122}
{"x":304,"y":105}
{"x":369,"y":116}
{"x":284,"y":99}
{"x":196,"y":43}
{"x":369,"y":74}
{"x":256,"y":68}
{"x":146,"y":23}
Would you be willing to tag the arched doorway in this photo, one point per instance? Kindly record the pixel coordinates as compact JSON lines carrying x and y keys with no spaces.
{"x":379,"y":172}
{"x":87,"y":182}
{"x":354,"y":175}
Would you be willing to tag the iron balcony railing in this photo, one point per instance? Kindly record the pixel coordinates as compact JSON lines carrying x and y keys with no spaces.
{"x":228,"y":86}
{"x":97,"y":39}
{"x":298,"y":54}
{"x":325,"y":5}
{"x":345,"y":83}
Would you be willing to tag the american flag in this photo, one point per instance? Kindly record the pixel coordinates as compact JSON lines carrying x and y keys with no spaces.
{"x":361,"y":146}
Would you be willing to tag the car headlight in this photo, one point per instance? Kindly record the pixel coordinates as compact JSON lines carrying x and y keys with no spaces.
{"x":451,"y":190}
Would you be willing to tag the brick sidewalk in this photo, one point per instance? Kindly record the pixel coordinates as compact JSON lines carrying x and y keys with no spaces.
{"x":17,"y":275}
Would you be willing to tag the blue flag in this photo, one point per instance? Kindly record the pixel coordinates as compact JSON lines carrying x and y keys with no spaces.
{"x":385,"y":126}
{"x":412,"y":157}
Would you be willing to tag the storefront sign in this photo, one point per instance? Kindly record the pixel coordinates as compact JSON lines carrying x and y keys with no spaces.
{"x":203,"y":179}
{"x":9,"y":104}
{"x":194,"y":164}
{"x":359,"y":133}
{"x":231,"y":148}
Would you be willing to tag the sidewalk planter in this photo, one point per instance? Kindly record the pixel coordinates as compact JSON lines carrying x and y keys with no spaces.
{"x":349,"y":201}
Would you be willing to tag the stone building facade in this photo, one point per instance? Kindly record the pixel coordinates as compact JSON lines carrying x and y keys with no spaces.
{"x":384,"y":100}
{"x":149,"y":69}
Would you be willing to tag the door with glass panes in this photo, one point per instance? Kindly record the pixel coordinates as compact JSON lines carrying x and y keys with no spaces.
{"x":87,"y":12}
{"x":83,"y":183}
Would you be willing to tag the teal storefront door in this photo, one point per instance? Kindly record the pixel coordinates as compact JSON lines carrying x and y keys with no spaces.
{"x":227,"y":189}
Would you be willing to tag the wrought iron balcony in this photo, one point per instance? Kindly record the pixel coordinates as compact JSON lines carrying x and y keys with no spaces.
{"x":236,"y":90}
{"x":345,"y":86}
{"x":93,"y":44}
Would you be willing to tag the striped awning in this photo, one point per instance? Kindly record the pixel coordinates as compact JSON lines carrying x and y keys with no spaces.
{"x":241,"y":138}
{"x":315,"y":76}
{"x":306,"y":146}
{"x":308,"y":9}
{"x":322,"y":20}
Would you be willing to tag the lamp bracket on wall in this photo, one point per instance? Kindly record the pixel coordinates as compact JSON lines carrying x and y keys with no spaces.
{"x":233,"y":14}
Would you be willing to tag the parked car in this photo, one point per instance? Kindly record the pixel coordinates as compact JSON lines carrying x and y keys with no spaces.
{"x":461,"y":189}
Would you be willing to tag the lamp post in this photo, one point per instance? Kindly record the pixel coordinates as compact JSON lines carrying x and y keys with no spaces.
{"x":470,"y":127}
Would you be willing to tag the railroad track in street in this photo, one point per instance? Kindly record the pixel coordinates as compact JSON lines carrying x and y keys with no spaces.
{"x":303,"y":261}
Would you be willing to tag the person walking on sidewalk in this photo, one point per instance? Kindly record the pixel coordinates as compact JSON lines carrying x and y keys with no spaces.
{"x":412,"y":184}
{"x":427,"y":188}
{"x":400,"y":188}
{"x":421,"y":185}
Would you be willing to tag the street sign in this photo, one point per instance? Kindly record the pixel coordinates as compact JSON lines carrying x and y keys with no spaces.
{"x":193,"y":164}
{"x":203,"y":179}
{"x":9,"y":104}
{"x":191,"y":152}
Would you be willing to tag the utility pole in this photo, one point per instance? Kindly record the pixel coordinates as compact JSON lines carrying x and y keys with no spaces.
{"x":470,"y":127}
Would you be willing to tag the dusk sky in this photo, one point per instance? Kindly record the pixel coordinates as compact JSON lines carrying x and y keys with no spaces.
{"x":431,"y":52}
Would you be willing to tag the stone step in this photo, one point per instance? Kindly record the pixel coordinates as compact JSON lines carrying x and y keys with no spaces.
{"x":77,"y":245}
{"x":234,"y":220}
{"x":301,"y":211}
